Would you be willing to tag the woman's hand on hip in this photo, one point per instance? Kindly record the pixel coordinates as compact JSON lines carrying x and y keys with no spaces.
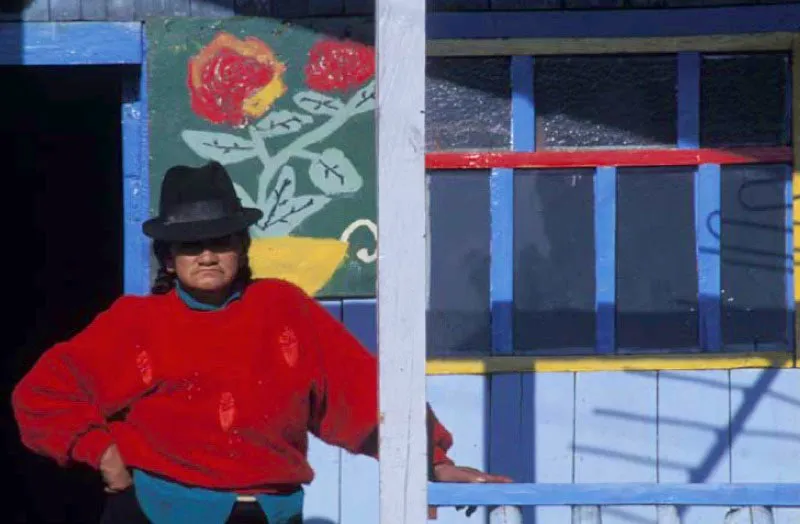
{"x":115,"y":472}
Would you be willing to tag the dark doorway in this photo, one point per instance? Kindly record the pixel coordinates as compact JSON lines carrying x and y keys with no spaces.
{"x":60,"y":139}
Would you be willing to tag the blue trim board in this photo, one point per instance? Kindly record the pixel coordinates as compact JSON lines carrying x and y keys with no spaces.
{"x":360,"y":316}
{"x":707,"y":188}
{"x":788,"y":193}
{"x":615,"y":23}
{"x":688,"y":100}
{"x":523,"y":108}
{"x":605,"y":233}
{"x":70,"y":43}
{"x":789,"y":217}
{"x":763,"y":494}
{"x":504,"y":390}
{"x":144,"y":168}
{"x":512,"y":439}
{"x":787,"y":101}
{"x":501,"y":272}
{"x":136,"y":183}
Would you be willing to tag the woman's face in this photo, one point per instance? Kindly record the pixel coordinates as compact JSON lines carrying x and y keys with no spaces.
{"x":208,"y":267}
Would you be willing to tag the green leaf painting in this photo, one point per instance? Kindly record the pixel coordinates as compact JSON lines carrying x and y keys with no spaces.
{"x":289,"y":111}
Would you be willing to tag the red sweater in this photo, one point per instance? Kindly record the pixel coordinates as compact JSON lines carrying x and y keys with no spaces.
{"x":218,"y":399}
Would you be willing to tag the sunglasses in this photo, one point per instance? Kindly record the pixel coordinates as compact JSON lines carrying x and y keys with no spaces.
{"x":215,"y":245}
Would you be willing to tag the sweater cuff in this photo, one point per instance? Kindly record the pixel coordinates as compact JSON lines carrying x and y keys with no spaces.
{"x":440,"y":457}
{"x":89,"y":447}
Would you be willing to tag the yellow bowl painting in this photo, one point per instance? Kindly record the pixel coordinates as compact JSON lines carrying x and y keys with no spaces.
{"x":306,"y":262}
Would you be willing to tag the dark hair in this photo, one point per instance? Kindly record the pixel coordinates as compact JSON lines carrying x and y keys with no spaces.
{"x":165,"y":280}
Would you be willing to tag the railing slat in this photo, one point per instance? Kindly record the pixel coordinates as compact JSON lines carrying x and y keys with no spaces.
{"x":668,"y":515}
{"x":586,"y":515}
{"x":750,"y":515}
{"x":505,"y":515}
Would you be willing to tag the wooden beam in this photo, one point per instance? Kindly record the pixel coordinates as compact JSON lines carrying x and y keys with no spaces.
{"x":135,"y":178}
{"x":610,"y":157}
{"x":796,"y":185}
{"x":585,"y":363}
{"x":402,"y":260}
{"x":618,"y":494}
{"x":601,"y":46}
{"x":70,"y":43}
{"x":615,"y":23}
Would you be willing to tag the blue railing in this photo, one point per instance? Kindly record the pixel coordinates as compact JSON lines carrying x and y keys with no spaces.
{"x":624,"y":494}
{"x":752,"y":503}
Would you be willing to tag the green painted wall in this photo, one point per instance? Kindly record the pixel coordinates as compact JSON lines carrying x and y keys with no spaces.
{"x":303,"y":148}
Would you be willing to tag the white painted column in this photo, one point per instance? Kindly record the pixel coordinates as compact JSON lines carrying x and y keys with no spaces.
{"x":402,"y":259}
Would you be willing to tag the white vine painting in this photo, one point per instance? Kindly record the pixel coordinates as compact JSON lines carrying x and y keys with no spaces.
{"x":331,"y":172}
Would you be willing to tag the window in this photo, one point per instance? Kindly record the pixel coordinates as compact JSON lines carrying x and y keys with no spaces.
{"x":612,"y":204}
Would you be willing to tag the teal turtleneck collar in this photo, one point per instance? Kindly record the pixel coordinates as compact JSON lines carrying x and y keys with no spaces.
{"x":193,"y":303}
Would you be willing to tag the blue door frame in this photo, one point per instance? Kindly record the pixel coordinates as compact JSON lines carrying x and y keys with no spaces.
{"x":102,"y":43}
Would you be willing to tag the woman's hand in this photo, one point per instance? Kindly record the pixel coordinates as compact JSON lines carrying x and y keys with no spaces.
{"x":115,"y":473}
{"x":451,"y":473}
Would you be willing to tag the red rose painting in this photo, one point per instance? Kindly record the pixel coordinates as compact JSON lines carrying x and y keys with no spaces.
{"x":277,"y":105}
{"x":232,"y":81}
{"x":335,"y":65}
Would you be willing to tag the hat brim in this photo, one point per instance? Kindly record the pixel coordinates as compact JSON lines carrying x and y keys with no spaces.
{"x":156,"y":229}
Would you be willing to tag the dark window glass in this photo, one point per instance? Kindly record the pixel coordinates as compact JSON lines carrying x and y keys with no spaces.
{"x":458,"y":304}
{"x":743,"y":100}
{"x":553,"y":260}
{"x":584,"y":4}
{"x":717,"y":3}
{"x":457,"y":5}
{"x":656,"y":261}
{"x":605,"y":101}
{"x":754,"y":261}
{"x":525,"y":5}
{"x":467,"y":103}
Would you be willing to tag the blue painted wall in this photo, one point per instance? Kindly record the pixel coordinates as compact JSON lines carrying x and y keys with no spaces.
{"x":669,"y":427}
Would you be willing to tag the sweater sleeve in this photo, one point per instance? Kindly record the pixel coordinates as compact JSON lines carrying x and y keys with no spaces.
{"x":345,"y":398}
{"x":62,"y":404}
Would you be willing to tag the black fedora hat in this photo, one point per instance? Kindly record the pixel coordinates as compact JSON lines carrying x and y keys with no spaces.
{"x":198,"y":203}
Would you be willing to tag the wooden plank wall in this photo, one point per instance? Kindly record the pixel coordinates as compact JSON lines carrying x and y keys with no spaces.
{"x":129,"y":10}
{"x":671,"y":427}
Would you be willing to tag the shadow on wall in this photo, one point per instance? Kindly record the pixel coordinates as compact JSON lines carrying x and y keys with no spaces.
{"x":747,"y":400}
{"x":745,"y":422}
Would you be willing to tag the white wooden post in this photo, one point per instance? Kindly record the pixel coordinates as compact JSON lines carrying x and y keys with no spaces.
{"x":402,"y":260}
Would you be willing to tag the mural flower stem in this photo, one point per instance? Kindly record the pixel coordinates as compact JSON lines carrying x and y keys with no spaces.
{"x":297,"y":148}
{"x":235,"y":83}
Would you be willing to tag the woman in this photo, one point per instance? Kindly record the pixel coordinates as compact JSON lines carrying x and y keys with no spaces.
{"x":205,"y":390}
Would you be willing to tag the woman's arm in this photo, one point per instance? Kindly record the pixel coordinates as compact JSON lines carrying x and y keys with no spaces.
{"x":62,"y":404}
{"x":345,"y":394}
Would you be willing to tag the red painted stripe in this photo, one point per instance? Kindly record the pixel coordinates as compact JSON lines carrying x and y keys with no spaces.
{"x":614,"y":157}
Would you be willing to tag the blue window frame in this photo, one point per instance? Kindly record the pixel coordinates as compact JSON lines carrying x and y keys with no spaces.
{"x":725,"y":283}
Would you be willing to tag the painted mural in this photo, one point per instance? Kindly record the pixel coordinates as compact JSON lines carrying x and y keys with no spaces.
{"x":289,"y":111}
